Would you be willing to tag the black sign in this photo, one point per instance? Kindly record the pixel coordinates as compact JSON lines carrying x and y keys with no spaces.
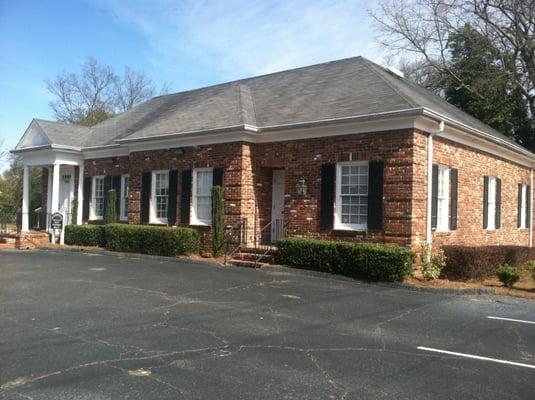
{"x":56,"y":221}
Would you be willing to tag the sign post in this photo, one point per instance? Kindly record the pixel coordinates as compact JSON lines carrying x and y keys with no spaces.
{"x":56,"y":223}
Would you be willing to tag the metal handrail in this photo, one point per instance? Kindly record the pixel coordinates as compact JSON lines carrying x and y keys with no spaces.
{"x":266,"y":242}
{"x":235,"y":234}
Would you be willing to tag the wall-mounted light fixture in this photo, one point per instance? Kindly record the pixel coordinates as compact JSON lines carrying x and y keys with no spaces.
{"x":301,"y":186}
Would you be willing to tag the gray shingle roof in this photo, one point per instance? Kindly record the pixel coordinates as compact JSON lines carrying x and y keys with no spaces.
{"x":63,"y":133}
{"x":336,"y":89}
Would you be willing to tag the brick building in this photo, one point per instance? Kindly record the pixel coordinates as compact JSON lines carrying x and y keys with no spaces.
{"x":345,"y":150}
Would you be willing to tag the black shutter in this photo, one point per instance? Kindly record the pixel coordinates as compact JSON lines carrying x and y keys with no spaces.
{"x":88,"y":181}
{"x":217,"y":178}
{"x":185,"y":197}
{"x":145,"y":197}
{"x":434,"y":197}
{"x":454,"y":185}
{"x":485,"y":202}
{"x":171,"y":208}
{"x":107,"y":186}
{"x":498,"y":203}
{"x":375,"y":194}
{"x":519,"y":207}
{"x":116,"y":185}
{"x":328,"y":180}
{"x":528,"y":206}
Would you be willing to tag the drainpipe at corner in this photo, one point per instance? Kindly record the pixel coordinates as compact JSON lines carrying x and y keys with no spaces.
{"x":530,"y":194}
{"x":429,"y":231}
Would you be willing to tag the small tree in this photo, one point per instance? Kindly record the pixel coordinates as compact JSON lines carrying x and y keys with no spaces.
{"x":218,"y":220}
{"x":74,"y":212}
{"x":110,"y":215}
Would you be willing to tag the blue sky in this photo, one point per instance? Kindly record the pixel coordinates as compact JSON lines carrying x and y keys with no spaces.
{"x":186,"y":44}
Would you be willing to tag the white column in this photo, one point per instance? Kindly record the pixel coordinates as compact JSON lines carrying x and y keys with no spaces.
{"x":49,"y":199}
{"x":26,"y":199}
{"x":80,"y":193}
{"x":55,"y":189}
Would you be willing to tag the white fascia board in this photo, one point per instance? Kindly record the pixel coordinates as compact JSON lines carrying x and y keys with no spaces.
{"x":101,"y":152}
{"x":51,"y":156}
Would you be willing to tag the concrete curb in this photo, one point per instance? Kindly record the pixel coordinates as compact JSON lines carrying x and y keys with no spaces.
{"x":96,"y":250}
{"x":276,"y":268}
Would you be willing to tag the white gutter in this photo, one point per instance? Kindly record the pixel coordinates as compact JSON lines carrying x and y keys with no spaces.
{"x":429,"y":230}
{"x":454,"y":123}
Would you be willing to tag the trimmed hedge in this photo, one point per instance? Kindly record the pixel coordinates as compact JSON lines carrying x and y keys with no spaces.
{"x":154,"y":240}
{"x":463,"y":262}
{"x":85,"y":235}
{"x":370,"y":261}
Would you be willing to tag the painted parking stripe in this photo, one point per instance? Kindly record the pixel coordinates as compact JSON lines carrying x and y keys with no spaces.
{"x":496,"y":360}
{"x":512,"y":320}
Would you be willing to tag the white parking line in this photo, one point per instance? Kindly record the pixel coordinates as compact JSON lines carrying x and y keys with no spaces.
{"x":512,"y":320}
{"x":453,"y":353}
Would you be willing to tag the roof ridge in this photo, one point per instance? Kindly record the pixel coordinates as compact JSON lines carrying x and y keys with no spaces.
{"x":238,"y":81}
{"x":245,"y":98}
{"x":372,"y":68}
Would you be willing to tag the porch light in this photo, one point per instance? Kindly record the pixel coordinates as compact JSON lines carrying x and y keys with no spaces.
{"x":301,"y":186}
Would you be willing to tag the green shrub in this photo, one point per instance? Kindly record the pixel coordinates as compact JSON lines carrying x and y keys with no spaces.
{"x":372,"y":261}
{"x":508,"y":275}
{"x":218,"y":220}
{"x":110,"y":215}
{"x":463,"y":262}
{"x":432,"y":264}
{"x":85,"y":235}
{"x":154,"y":240}
{"x":530,"y":266}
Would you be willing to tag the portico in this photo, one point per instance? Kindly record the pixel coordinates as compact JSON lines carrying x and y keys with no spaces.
{"x":64,"y":184}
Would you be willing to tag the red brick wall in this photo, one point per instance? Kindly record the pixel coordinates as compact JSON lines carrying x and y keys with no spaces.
{"x":473,"y":165}
{"x":304,"y":158}
{"x":248,"y":174}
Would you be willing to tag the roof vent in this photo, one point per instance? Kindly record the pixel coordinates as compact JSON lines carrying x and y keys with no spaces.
{"x":395,"y":71}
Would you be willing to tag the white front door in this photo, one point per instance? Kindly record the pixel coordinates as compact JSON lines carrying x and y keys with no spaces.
{"x":65,"y":191}
{"x":277,"y":206}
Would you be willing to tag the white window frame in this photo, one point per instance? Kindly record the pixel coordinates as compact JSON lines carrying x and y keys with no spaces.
{"x":443,"y":198}
{"x":124,"y":197}
{"x":193,"y":212}
{"x":523,"y":206}
{"x":92,"y":215}
{"x":491,"y":204}
{"x":153,"y":219}
{"x":338,"y":224}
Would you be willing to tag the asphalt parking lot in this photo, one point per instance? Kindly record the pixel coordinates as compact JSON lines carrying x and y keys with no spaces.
{"x":87,"y":326}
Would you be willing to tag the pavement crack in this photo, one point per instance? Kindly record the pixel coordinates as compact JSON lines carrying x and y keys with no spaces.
{"x":336,"y":385}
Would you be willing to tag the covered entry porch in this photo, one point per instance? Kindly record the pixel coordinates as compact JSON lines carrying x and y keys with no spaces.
{"x":62,"y":174}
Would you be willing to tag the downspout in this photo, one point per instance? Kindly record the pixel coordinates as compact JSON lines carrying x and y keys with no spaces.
{"x":531,"y":208}
{"x":429,"y":231}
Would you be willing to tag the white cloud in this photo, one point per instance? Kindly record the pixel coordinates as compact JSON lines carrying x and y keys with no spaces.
{"x":238,"y":38}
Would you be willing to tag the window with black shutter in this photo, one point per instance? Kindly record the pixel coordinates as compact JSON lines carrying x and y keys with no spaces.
{"x":328,"y":180}
{"x":185,"y":197}
{"x":145,"y":197}
{"x":375,"y":194}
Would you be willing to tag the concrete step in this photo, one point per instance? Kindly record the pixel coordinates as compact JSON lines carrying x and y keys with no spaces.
{"x":252,"y":256}
{"x":248,"y":264}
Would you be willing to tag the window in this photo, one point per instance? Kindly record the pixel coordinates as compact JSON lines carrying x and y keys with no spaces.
{"x":124,"y":197}
{"x":97,"y":200}
{"x":160,"y":196}
{"x":443,"y":193}
{"x":351,"y":195}
{"x":491,"y":204}
{"x":202,"y":196}
{"x":523,"y":206}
